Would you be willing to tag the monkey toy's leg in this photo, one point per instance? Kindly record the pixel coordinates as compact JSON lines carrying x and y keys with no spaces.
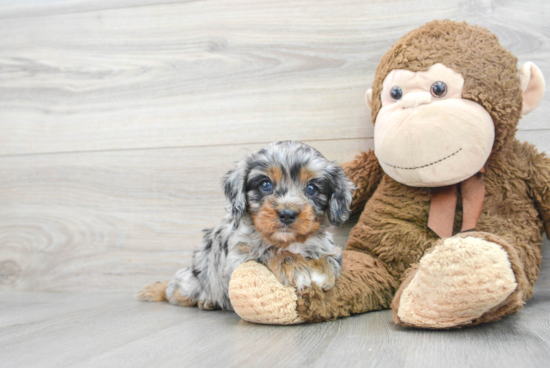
{"x":467,"y":279}
{"x":364,"y":285}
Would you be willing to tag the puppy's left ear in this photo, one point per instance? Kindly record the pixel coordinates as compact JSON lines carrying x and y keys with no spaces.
{"x":340,"y":199}
{"x":234,"y":187}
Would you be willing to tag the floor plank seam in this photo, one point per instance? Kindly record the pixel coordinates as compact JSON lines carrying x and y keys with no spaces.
{"x":244,"y":144}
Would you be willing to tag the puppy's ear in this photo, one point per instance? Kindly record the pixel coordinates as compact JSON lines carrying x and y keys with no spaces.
{"x":340,"y":199}
{"x":234,"y":186}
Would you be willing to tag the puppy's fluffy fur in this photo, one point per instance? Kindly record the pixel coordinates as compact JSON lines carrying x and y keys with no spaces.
{"x":282,"y":200}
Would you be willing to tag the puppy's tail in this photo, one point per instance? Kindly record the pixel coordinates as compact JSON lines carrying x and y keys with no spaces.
{"x":154,"y":293}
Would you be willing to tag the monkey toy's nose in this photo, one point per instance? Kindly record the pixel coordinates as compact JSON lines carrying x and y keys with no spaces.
{"x":415,"y":99}
{"x":287,"y":217}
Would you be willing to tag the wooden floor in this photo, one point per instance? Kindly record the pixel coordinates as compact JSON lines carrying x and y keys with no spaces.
{"x":119,"y":117}
{"x":113,"y":330}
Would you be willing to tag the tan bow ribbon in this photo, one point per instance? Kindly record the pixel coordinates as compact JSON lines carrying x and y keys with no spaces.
{"x":443,"y":205}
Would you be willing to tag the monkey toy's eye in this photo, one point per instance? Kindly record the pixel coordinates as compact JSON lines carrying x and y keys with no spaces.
{"x":266,"y":186}
{"x":311,"y":190}
{"x":439,"y":89}
{"x":396,"y":93}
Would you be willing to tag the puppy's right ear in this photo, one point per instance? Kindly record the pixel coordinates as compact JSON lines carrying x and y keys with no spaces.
{"x":234,"y":186}
{"x":340,"y":199}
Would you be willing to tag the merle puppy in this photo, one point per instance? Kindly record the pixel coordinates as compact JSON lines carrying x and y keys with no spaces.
{"x":282,"y":200}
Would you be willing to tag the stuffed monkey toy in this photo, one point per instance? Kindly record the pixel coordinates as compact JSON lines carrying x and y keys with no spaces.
{"x":453,"y":206}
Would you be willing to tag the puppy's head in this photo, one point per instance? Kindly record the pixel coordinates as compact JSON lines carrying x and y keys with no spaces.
{"x":287,"y":189}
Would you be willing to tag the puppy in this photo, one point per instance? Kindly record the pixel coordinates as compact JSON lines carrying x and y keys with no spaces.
{"x":282,"y":200}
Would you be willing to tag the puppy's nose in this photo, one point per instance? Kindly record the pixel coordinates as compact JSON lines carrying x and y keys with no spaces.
{"x":287,"y":217}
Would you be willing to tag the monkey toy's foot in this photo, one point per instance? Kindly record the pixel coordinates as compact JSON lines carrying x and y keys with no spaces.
{"x":464,"y":280}
{"x":258,"y":296}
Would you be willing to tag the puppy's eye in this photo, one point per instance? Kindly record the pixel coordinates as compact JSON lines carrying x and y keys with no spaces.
{"x":311,"y":189}
{"x":266,"y":186}
{"x":396,"y":93}
{"x":439,"y":89}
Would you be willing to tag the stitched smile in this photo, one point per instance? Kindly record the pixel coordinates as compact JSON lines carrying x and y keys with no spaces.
{"x":430,"y":164}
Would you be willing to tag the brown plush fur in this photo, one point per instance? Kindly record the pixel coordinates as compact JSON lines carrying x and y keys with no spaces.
{"x":364,"y":285}
{"x":364,"y":163}
{"x":392,"y":233}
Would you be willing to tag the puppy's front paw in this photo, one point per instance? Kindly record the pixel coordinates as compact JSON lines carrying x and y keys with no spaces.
{"x":325,"y":271}
{"x":291,"y":269}
{"x":326,"y":281}
{"x":295,"y":270}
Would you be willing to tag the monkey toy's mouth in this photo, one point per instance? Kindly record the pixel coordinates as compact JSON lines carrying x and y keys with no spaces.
{"x":426,"y":165}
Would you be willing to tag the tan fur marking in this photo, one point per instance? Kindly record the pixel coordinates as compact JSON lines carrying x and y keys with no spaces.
{"x":306,"y":224}
{"x":266,"y":220}
{"x":306,"y":175}
{"x":275,"y":173}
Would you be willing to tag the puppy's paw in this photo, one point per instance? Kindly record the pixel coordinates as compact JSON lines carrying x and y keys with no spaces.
{"x":291,"y":270}
{"x":295,"y":270}
{"x":325,"y":271}
{"x":207,"y":305}
{"x":325,"y":281}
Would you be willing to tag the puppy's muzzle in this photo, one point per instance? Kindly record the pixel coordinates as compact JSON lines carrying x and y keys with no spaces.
{"x":287,"y":217}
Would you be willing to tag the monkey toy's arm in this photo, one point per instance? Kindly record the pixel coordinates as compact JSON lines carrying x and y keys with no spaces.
{"x":365,"y":173}
{"x":539,"y":184}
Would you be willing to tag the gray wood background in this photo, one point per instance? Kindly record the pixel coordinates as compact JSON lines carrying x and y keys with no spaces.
{"x":118,"y":118}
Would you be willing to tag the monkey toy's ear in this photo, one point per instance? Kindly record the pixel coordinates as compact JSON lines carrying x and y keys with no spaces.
{"x":368,"y":100}
{"x":234,"y":187}
{"x":532,"y":84}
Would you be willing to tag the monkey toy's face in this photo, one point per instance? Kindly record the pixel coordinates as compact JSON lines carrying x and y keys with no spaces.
{"x":426,"y":134}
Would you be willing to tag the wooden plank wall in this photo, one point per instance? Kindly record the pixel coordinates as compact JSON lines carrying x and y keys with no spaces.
{"x":118,"y":118}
